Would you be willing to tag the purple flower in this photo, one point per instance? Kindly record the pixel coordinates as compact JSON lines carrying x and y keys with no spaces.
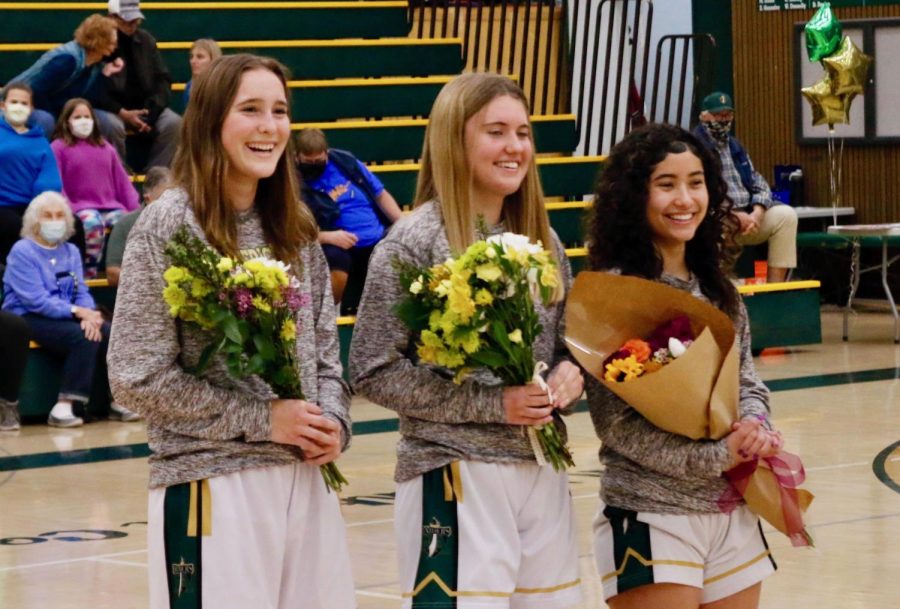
{"x":295,"y":300}
{"x":244,"y":301}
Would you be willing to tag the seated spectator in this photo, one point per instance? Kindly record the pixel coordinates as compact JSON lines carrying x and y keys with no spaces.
{"x":94,"y":180}
{"x":203,"y":52}
{"x":157,"y":180}
{"x":351,"y":206}
{"x":44,"y":283}
{"x":761,"y":218}
{"x":73,"y":69}
{"x":138,"y":95}
{"x":27,"y":165}
{"x":14,"y":338}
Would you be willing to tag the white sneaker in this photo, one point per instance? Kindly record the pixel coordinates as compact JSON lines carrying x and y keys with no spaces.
{"x":118,"y":412}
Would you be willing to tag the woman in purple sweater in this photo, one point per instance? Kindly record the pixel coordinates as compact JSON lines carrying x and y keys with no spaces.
{"x":44,"y":283}
{"x":93,"y":178}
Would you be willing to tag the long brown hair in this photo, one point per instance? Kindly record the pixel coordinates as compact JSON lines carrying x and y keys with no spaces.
{"x":201,"y":164}
{"x":64,"y":132}
{"x":445,"y":175}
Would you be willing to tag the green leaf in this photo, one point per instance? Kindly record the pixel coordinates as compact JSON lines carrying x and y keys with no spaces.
{"x":489,"y":358}
{"x":207,"y":355}
{"x":500,"y":335}
{"x":256,"y":365}
{"x":231,"y":329}
{"x":264,"y":347}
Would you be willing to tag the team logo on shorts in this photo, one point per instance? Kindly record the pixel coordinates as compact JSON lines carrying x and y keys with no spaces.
{"x":436,"y":535}
{"x":184,"y":571}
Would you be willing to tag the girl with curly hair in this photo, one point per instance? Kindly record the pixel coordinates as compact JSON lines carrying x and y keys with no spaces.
{"x":662,"y":537}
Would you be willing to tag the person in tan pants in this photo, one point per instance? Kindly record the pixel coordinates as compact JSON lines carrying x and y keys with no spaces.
{"x":761,"y":218}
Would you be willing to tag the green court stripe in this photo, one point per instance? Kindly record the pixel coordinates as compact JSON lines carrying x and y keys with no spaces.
{"x":363,"y":428}
{"x":828,"y":380}
{"x":74,"y":457}
{"x":878,"y":466}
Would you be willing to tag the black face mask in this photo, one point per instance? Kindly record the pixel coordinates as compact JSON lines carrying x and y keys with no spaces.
{"x":311,"y":171}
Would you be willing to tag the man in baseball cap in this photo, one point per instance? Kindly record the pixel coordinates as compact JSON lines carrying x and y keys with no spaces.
{"x":128,"y":10}
{"x":138,"y":96}
{"x":761,"y":218}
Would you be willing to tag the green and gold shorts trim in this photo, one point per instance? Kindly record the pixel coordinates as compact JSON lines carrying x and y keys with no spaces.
{"x":188,"y":518}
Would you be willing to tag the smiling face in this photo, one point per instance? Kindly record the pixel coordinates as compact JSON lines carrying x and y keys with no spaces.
{"x":677,"y":200}
{"x":498,"y":149}
{"x":256,"y":129}
{"x":199,"y":61}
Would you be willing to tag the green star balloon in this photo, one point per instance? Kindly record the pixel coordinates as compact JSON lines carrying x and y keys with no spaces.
{"x":823,"y":33}
{"x":848,"y":68}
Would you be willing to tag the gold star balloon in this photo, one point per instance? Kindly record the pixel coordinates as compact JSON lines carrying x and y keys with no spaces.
{"x":827,"y":108}
{"x":848,"y":68}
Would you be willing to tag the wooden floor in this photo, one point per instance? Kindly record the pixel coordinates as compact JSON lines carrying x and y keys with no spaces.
{"x":73,"y":536}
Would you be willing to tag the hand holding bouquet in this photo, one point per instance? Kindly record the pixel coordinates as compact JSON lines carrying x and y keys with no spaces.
{"x":477,"y":311}
{"x":249,"y":308}
{"x":696,"y":394}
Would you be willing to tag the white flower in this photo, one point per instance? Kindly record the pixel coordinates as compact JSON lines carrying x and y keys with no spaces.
{"x":676,"y":347}
{"x":416,"y":285}
{"x":515,"y":336}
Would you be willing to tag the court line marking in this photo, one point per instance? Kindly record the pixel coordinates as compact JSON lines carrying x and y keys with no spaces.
{"x":120,"y":562}
{"x":70,"y":560}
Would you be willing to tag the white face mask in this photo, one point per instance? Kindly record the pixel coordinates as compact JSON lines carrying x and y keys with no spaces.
{"x":16,"y":113}
{"x":53,"y":230}
{"x":82,"y":127}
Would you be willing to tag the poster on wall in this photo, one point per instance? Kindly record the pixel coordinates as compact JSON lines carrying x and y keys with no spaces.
{"x":793,"y":5}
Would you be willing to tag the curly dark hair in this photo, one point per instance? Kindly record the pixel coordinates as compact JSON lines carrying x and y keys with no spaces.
{"x":619,"y":234}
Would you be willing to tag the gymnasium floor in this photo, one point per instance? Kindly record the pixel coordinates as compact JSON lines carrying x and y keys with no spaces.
{"x":73,"y":502}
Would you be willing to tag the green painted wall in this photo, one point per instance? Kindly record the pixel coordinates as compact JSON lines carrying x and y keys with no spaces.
{"x":714,"y":17}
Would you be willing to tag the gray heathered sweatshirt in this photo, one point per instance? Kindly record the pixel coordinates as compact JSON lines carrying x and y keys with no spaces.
{"x":651,"y":470}
{"x":213,"y":425}
{"x":440,"y":421}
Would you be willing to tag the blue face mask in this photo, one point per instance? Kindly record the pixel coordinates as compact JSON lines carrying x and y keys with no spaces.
{"x":53,"y":230}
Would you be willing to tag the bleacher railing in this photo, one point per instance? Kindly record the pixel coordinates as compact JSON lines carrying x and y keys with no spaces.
{"x":587,"y":57}
{"x":521,"y":38}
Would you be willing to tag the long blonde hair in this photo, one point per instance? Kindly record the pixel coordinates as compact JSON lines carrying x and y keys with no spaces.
{"x":201,"y":164}
{"x":445,"y":175}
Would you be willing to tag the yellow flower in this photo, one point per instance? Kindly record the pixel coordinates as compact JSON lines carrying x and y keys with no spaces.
{"x":434,"y":320}
{"x":450,"y":359}
{"x":200,"y":288}
{"x":176,"y":274}
{"x":288,"y":330}
{"x":549,"y":276}
{"x":488,"y":272}
{"x":629,"y":366}
{"x":240,"y":279}
{"x":260,"y":303}
{"x":443,"y":288}
{"x":483,"y":297}
{"x":459,"y":299}
{"x":175,"y":297}
{"x":430,"y":347}
{"x":225,"y":264}
{"x":515,"y":336}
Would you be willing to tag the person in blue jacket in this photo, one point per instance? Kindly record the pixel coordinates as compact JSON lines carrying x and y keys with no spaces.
{"x":27,"y":164}
{"x":351,"y":206}
{"x":74,"y":69}
{"x":44,"y":283}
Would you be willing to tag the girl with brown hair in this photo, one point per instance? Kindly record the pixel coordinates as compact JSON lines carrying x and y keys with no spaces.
{"x":238,"y":513}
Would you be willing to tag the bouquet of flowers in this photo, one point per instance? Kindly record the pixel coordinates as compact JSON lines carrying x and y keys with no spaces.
{"x":477,"y":311}
{"x":638,"y":357}
{"x":696,"y":393}
{"x":248,"y":307}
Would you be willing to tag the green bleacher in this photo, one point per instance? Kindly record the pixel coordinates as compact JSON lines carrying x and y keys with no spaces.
{"x":42,"y":22}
